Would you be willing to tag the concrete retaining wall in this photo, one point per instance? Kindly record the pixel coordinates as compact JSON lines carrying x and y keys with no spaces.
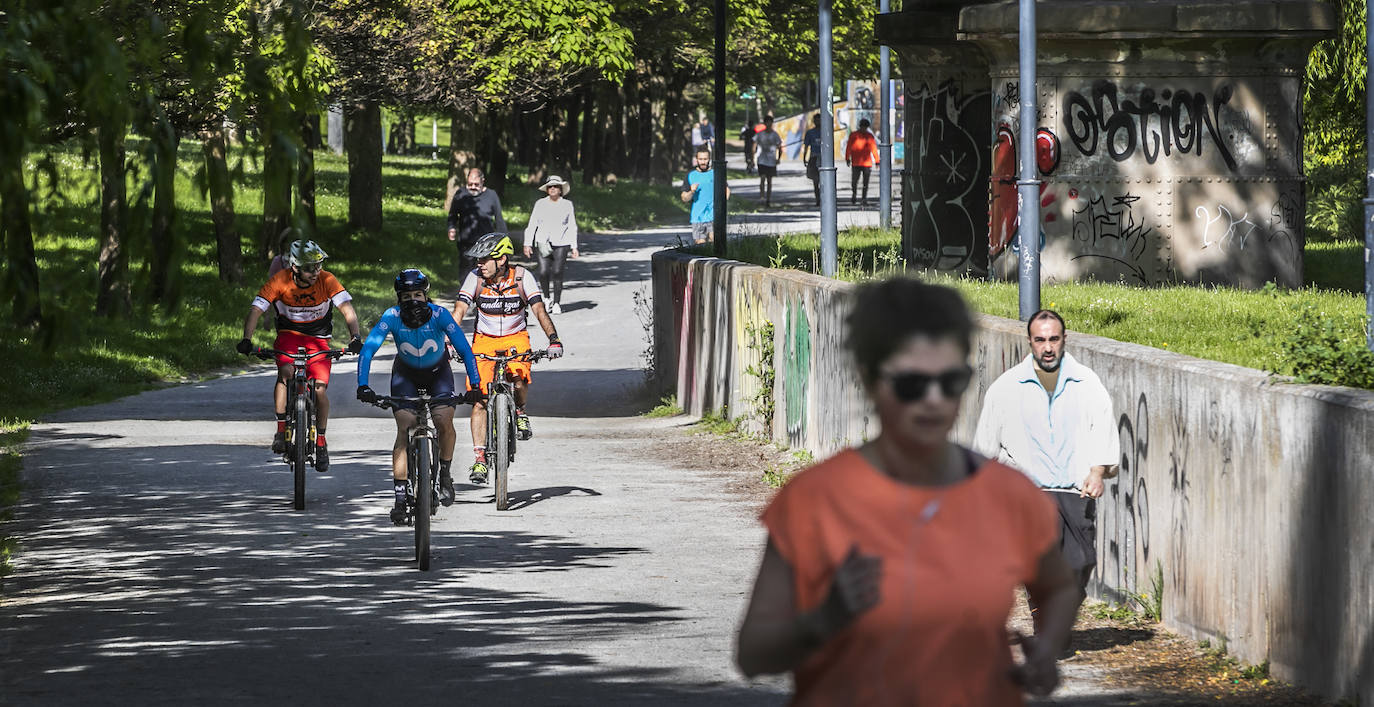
{"x":1254,"y":500}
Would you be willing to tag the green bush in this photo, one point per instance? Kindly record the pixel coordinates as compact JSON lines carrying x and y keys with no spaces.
{"x":1328,"y":350}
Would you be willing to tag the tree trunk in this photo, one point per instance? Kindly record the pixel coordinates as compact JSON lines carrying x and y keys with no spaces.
{"x":21,"y":272}
{"x":618,"y":157}
{"x":166,"y":255}
{"x":461,"y":155}
{"x":311,"y":135}
{"x":589,"y":156}
{"x":498,"y":158}
{"x":567,"y":140}
{"x":305,"y":177}
{"x":363,"y":134}
{"x":644,"y":134}
{"x":228,"y":249}
{"x":112,"y":292}
{"x":277,"y":178}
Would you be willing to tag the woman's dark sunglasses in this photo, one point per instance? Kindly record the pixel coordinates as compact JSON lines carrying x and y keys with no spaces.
{"x":910,"y":387}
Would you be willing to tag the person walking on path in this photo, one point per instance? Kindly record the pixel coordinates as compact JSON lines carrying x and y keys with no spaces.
{"x":1051,"y":417}
{"x":890,"y":569}
{"x":474,"y":212}
{"x":552,"y":232}
{"x":703,"y":136}
{"x":811,"y":155}
{"x":746,"y":136}
{"x":860,"y":153}
{"x":767,"y":154}
{"x":699,"y":190}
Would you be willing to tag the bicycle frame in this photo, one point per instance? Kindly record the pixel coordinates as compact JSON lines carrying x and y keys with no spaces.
{"x":422,"y":479}
{"x":301,"y":400}
{"x":501,"y":429}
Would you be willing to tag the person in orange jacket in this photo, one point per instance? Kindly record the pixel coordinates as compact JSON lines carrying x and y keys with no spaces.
{"x":860,"y":154}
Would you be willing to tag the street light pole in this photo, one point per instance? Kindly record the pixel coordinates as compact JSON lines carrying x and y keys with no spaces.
{"x":718,"y":235}
{"x":1369,"y":178}
{"x":884,"y":133}
{"x":1028,"y":186}
{"x":829,"y":235}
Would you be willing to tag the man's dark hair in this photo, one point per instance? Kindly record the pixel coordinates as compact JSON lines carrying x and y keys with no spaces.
{"x":1045,"y":314}
{"x":886,"y":314}
{"x":863,"y":123}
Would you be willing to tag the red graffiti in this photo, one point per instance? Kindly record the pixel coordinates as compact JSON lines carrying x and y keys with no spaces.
{"x":1003,"y":216}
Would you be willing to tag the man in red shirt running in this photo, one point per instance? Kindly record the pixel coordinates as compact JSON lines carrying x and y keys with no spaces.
{"x":860,"y":153}
{"x":304,"y":296}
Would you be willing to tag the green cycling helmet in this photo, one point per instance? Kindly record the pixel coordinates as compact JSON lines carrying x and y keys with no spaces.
{"x":492,"y":245}
{"x":306,"y":253}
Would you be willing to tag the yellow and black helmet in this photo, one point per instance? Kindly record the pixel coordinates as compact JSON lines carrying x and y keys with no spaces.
{"x":492,"y":245}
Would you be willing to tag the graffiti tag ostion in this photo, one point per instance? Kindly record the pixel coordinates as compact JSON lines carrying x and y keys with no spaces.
{"x":1175,"y":121}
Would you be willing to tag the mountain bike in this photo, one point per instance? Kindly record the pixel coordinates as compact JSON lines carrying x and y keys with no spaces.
{"x":501,"y":433}
{"x":422,"y":462}
{"x":300,"y":413}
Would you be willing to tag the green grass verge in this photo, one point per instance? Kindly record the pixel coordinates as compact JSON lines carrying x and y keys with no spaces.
{"x":12,"y":435}
{"x":667,"y":407}
{"x":1315,"y":334}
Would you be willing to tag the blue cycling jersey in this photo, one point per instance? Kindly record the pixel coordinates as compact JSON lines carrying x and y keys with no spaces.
{"x":421,"y":348}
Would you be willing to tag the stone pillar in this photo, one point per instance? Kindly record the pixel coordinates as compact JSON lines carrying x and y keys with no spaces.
{"x":947,"y":114}
{"x":335,"y":129}
{"x":1170,"y":137}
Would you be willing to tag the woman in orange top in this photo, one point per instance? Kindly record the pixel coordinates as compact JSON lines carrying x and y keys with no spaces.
{"x":860,"y":153}
{"x":891,"y":569}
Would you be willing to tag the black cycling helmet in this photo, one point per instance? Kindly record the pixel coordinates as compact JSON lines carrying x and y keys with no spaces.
{"x":410,"y":280}
{"x":492,"y":245}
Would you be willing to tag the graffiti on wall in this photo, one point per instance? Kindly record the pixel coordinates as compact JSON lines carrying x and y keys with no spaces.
{"x":945,"y":197}
{"x":1151,"y":123}
{"x":1126,"y":536}
{"x":1003,"y":210}
{"x":797,"y":356}
{"x":1107,"y":228}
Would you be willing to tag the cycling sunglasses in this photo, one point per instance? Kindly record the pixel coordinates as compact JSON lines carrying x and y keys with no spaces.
{"x":910,"y":387}
{"x":310,"y":268}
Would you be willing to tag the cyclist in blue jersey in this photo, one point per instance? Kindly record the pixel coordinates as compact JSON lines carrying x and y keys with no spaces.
{"x":419,"y":328}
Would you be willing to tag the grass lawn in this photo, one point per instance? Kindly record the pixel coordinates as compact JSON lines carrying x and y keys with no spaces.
{"x":1277,"y":330}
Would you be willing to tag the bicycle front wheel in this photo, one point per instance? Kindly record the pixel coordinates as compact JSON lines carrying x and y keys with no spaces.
{"x":502,"y":421}
{"x":300,"y":448}
{"x":424,"y":499}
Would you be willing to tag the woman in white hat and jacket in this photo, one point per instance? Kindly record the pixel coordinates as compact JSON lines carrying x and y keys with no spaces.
{"x":552,"y":232}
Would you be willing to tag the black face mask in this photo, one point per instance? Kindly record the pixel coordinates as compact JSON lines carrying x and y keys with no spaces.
{"x":415,"y":313}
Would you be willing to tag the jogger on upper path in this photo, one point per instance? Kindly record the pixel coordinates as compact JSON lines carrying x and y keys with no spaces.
{"x":860,"y":153}
{"x":811,"y":155}
{"x":304,"y":296}
{"x":419,"y":327}
{"x":1051,"y":417}
{"x":767,"y":154}
{"x":552,"y":232}
{"x":699,"y":190}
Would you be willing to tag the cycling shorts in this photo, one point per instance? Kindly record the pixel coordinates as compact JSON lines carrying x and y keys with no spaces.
{"x":406,"y":381}
{"x":288,"y":340}
{"x":520,"y":341}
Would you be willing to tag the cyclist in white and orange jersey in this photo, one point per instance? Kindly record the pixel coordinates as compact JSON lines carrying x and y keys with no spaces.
{"x":304,"y":297}
{"x":504,"y":295}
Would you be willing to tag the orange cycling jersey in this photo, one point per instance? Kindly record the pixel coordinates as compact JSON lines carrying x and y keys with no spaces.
{"x":502,"y":305}
{"x":307,"y":310}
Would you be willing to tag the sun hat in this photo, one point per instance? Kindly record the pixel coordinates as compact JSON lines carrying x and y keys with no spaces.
{"x":556,"y":181}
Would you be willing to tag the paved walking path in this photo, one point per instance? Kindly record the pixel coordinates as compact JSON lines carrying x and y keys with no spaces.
{"x":161,"y":563}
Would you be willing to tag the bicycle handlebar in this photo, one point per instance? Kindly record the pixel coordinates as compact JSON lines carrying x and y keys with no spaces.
{"x":527,"y":355}
{"x":389,"y":402}
{"x":266,"y":353}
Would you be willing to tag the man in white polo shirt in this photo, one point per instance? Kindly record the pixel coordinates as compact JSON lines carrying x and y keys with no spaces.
{"x":1051,"y":417}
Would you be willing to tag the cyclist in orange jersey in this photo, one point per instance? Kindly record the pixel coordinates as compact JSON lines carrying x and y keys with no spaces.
{"x":504,"y":295}
{"x":304,"y":296}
